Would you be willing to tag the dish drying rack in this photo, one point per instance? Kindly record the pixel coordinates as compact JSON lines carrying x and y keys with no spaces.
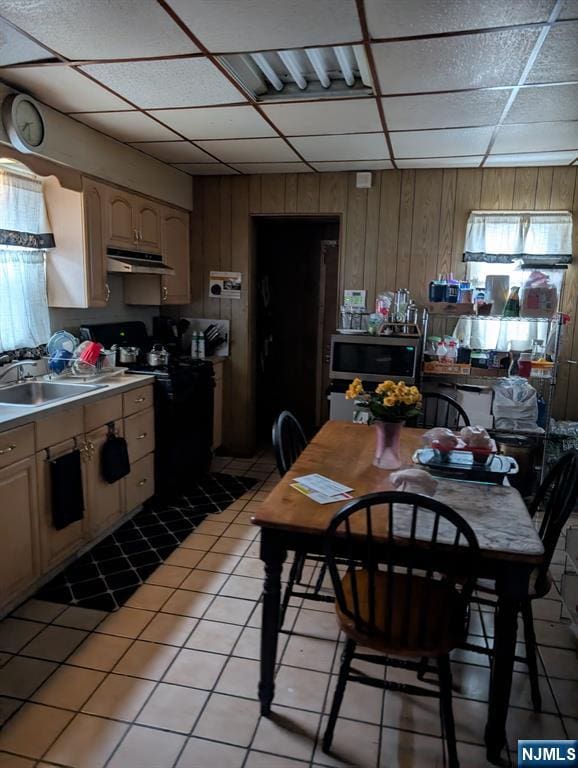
{"x":75,"y":368}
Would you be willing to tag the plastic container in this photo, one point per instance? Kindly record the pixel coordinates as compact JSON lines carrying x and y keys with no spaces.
{"x":540,"y":292}
{"x":525,"y":364}
{"x":437,"y":290}
{"x":452,"y":353}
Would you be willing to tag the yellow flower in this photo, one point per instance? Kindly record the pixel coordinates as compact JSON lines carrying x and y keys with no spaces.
{"x":384,"y":387}
{"x":402,"y":385}
{"x":390,"y":401}
{"x":408,"y":400}
{"x":355,"y":389}
{"x":414,"y":390}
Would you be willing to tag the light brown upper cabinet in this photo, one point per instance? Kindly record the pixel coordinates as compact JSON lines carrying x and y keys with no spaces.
{"x":168,"y":289}
{"x":148,"y":225}
{"x":133,"y":223}
{"x":76,"y":268}
{"x":121,"y":229}
{"x":176,"y":288}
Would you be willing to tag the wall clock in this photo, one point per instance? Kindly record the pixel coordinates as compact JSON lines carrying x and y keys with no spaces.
{"x":23,"y":122}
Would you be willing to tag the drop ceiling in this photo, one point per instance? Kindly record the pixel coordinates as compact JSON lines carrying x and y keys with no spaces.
{"x":455,"y":83}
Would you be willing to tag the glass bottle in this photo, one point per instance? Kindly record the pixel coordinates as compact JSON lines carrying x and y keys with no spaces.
{"x":512,"y":308}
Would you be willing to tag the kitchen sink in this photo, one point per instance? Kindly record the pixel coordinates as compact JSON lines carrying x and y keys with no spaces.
{"x":34,"y":393}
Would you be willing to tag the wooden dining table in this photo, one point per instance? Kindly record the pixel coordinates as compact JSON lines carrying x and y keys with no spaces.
{"x":509,"y":544}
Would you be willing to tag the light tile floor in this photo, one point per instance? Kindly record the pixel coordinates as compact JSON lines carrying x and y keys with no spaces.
{"x":170,"y":680}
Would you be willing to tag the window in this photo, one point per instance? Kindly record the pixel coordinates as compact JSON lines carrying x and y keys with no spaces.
{"x":24,"y":237}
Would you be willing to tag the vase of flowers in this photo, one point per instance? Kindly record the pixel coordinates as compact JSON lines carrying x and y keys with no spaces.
{"x":389,"y":405}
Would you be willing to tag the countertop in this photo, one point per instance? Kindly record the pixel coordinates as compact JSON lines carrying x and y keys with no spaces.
{"x":14,"y":415}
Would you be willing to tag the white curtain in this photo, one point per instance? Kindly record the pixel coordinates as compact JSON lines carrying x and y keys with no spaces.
{"x":535,"y":238}
{"x":23,"y":306}
{"x":24,"y":234}
{"x":482,"y":333}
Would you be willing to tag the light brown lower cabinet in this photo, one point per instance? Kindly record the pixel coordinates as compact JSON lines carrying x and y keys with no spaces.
{"x":105,"y":502}
{"x":19,"y":561}
{"x":56,"y":546}
{"x":30,"y":545}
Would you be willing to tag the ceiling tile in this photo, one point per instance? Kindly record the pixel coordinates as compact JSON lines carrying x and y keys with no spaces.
{"x":206,"y":169}
{"x":174,"y":151}
{"x":62,"y":88}
{"x":536,"y":137}
{"x":441,"y":162}
{"x":556,"y":102}
{"x":392,"y":18}
{"x":569,"y":9}
{"x":441,"y":143}
{"x":273,"y":167}
{"x":127,"y":126}
{"x":171,"y":83}
{"x":367,"y":146}
{"x":444,"y":110}
{"x":468,"y":61}
{"x":250,"y":150}
{"x":558,"y":57}
{"x":256,"y":25}
{"x":16,"y":48}
{"x":216,"y":123}
{"x":84,"y":29}
{"x":325,"y":117}
{"x":353,"y":165}
{"x":532,"y":158}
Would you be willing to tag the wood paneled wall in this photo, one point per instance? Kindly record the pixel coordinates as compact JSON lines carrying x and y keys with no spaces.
{"x":403,"y":231}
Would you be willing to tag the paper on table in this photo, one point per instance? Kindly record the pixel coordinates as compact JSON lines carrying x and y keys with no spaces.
{"x":322,"y":485}
{"x":320,"y":498}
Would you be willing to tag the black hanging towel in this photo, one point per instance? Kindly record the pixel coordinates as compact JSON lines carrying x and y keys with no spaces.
{"x":67,"y":493}
{"x":114,"y":460}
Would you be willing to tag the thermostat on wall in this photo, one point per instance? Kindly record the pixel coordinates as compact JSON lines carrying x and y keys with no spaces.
{"x":363,"y":180}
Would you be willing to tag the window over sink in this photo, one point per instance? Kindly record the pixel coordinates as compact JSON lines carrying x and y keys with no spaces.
{"x":25,"y":237}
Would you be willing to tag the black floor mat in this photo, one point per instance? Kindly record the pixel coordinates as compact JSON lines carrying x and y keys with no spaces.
{"x":107,"y":575}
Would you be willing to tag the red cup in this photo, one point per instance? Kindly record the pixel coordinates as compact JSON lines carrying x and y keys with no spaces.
{"x":525,"y":368}
{"x":91,"y":352}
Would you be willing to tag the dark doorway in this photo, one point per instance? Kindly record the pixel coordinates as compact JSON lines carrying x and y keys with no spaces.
{"x":297,"y":263}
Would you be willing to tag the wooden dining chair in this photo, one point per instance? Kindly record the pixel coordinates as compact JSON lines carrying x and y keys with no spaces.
{"x":551,"y":507}
{"x":289,"y":441}
{"x":439,"y":410}
{"x":405,"y":596}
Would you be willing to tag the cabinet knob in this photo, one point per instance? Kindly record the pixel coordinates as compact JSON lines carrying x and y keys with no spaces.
{"x":8,"y":449}
{"x":140,"y":399}
{"x":142,"y":437}
{"x":141,"y":482}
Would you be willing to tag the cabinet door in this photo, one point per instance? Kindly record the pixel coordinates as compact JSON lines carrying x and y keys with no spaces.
{"x":148,"y":225}
{"x":121,"y":223}
{"x":56,"y":546}
{"x":176,"y":288}
{"x":19,"y":566}
{"x":104,"y":501}
{"x":94,"y":246}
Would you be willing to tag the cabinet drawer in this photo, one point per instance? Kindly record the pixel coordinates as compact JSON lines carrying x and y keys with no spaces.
{"x":100,"y":413}
{"x":16,"y":444}
{"x":59,"y":427}
{"x":137,"y":400}
{"x":140,"y":483}
{"x":139,"y":432}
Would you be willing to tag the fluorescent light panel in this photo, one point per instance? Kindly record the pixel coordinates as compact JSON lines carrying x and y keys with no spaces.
{"x":302,"y":73}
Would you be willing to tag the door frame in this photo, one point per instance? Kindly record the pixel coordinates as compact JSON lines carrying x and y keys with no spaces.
{"x":333,"y":218}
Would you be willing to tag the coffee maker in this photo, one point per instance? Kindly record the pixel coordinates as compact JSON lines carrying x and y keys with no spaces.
{"x":169,"y":332}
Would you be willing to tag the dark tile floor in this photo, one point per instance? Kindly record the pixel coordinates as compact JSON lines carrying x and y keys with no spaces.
{"x":106,"y":576}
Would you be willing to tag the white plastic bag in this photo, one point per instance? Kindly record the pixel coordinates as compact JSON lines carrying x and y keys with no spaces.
{"x":516,"y":405}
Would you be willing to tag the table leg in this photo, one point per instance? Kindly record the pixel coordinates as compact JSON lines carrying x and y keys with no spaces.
{"x":505,"y":631}
{"x":273,"y":554}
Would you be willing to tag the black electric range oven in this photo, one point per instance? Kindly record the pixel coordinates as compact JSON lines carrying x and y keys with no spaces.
{"x":183,"y":398}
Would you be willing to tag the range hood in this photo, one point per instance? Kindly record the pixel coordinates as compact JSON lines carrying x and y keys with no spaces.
{"x":136,"y":263}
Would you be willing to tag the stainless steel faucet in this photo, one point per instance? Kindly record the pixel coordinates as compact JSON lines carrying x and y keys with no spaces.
{"x":20,"y":376}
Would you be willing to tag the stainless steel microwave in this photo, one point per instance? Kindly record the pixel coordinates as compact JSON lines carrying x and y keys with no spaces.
{"x":374,"y":358}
